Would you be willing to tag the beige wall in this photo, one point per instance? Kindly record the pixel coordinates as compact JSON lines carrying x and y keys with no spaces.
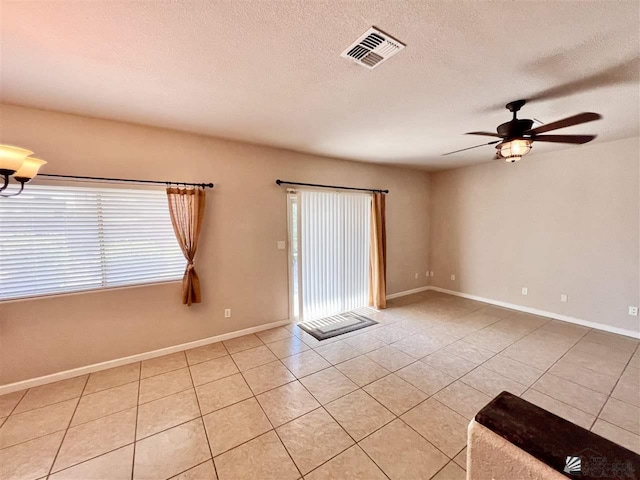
{"x":564,"y":222}
{"x":239,"y":265}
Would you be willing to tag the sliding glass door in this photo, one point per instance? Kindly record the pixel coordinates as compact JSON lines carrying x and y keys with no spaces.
{"x":330,"y":252}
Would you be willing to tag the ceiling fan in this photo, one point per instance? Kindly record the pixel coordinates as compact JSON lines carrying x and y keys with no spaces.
{"x":517,"y":135}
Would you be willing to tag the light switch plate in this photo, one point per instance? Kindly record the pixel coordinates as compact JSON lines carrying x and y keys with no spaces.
{"x":453,"y":277}
{"x":564,"y":298}
{"x":525,"y":291}
{"x":281,"y":244}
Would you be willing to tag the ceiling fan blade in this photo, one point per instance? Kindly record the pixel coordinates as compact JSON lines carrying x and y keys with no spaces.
{"x":488,"y":134}
{"x":566,"y":122}
{"x":622,"y":73}
{"x":469,"y":148}
{"x":575,"y":139}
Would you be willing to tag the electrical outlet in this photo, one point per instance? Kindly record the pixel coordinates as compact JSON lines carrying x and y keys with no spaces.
{"x":564,"y":298}
{"x":227,"y":313}
{"x":416,"y":275}
{"x":525,"y":291}
{"x":281,"y":244}
{"x":633,"y":311}
{"x":453,"y":277}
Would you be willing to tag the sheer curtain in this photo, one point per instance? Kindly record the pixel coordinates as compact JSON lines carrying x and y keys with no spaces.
{"x":186,"y":207}
{"x":335,"y":243}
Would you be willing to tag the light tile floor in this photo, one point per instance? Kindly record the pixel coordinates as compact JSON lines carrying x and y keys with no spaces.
{"x":390,"y":401}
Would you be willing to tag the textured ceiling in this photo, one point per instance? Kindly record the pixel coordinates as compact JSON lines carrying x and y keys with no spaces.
{"x":270,"y":72}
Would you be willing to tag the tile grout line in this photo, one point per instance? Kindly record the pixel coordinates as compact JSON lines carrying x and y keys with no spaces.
{"x":97,"y":456}
{"x":84,"y":423}
{"x":64,"y":436}
{"x":460,"y":378}
{"x":135,"y":431}
{"x":67,"y":399}
{"x":149,"y":436}
{"x":201,"y":417}
{"x":194,"y":466}
{"x":104,"y":416}
{"x":561,"y":357}
{"x":89,"y":459}
{"x":379,"y":428}
{"x":552,"y":365}
{"x":479,"y":365}
{"x":437,"y":350}
{"x":24,"y":394}
{"x":443,"y":348}
{"x":495,"y":355}
{"x":321,"y":406}
{"x":57,"y":431}
{"x":268,"y":420}
{"x":591,"y":369}
{"x":610,"y":395}
{"x":357,"y":442}
{"x":449,"y":459}
{"x":445,"y":466}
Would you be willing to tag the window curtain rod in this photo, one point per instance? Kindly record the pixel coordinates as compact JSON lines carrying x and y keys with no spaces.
{"x":374,"y":190}
{"x":123,"y":180}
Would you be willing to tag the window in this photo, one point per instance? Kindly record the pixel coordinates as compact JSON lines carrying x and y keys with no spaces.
{"x":70,"y":239}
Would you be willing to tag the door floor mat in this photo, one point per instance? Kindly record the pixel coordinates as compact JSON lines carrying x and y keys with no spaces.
{"x":335,"y":325}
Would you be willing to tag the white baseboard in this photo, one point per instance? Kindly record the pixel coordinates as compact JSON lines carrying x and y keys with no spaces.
{"x":96,"y":367}
{"x":542,"y":313}
{"x":55,"y":377}
{"x":407,"y":292}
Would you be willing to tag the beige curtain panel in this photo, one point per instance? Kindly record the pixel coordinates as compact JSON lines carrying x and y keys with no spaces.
{"x":186,"y":206}
{"x":378,"y":255}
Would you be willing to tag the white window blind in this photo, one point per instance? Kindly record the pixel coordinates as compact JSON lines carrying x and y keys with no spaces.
{"x":334,"y":231}
{"x":69,"y":239}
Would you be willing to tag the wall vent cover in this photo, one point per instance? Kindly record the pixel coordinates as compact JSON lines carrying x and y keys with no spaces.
{"x":372,"y":48}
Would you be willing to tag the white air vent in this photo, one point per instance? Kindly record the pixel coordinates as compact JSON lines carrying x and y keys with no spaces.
{"x":372,"y":48}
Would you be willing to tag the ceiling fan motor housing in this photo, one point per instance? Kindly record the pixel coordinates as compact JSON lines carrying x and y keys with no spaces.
{"x":515,"y":128}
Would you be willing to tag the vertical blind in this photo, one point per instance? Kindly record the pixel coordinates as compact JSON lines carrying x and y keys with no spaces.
{"x":334,"y":232}
{"x":69,"y":239}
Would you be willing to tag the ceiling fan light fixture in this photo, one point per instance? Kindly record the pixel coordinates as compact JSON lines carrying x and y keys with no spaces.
{"x":18,"y":163}
{"x":514,"y":150}
{"x":29,"y":169}
{"x":12,"y":158}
